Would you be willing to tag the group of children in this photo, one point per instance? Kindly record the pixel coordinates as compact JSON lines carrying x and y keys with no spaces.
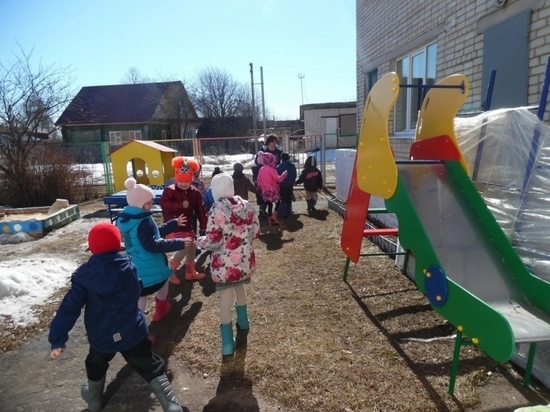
{"x":275,"y":177}
{"x":113,"y":288}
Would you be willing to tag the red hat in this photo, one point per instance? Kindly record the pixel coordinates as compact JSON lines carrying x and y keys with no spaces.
{"x":185,"y":168}
{"x":104,"y":237}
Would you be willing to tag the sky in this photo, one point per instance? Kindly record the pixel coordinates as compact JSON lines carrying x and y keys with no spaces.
{"x":175,"y":39}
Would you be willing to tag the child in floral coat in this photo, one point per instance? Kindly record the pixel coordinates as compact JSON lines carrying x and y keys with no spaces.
{"x":231,"y":227}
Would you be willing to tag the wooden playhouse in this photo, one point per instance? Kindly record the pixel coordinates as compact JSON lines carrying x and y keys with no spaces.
{"x":151,"y":163}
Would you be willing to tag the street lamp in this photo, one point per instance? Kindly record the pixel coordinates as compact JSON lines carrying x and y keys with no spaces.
{"x":301,"y":77}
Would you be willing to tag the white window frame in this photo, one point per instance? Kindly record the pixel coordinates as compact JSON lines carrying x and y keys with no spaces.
{"x":115,"y":137}
{"x":429,"y":73}
{"x":134,"y":134}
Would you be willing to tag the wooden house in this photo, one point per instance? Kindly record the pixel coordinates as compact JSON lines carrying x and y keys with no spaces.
{"x":125,"y":112}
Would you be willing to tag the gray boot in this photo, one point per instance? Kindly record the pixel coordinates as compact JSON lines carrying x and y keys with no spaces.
{"x":92,"y":393}
{"x":163,"y":390}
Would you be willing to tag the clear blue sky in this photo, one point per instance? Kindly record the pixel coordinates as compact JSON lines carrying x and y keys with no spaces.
{"x":100,"y":40}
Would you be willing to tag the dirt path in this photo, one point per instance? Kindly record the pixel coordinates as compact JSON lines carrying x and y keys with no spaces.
{"x":30,"y":381}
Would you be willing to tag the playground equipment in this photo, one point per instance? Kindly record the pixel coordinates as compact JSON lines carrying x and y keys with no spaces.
{"x":151,"y":163}
{"x":464,"y":262}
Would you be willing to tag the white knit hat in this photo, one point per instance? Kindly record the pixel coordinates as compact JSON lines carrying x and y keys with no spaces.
{"x":222,"y":186}
{"x":137,"y":194}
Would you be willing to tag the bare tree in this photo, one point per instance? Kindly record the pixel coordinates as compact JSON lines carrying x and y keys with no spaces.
{"x":133,"y":76}
{"x":217,"y":95}
{"x":30,"y":97}
{"x":179,"y":111}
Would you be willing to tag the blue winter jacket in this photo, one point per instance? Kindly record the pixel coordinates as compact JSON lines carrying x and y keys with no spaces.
{"x":145,"y":245}
{"x":109,"y":288}
{"x":291,"y":170}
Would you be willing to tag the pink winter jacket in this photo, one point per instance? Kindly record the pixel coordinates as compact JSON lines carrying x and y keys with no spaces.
{"x":268,"y":183}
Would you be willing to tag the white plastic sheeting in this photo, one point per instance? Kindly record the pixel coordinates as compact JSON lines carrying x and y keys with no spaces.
{"x":508,"y":154}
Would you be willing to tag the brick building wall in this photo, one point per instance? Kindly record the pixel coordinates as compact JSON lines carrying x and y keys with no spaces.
{"x":387,"y":31}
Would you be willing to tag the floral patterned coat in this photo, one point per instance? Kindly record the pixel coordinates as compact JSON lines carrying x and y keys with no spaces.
{"x":231,"y":227}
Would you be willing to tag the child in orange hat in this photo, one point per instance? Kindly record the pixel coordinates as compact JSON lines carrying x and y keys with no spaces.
{"x":181,"y":198}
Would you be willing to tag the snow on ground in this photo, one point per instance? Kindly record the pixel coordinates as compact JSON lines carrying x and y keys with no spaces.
{"x":28,"y":282}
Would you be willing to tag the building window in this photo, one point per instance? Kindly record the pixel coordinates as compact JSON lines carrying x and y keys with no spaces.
{"x":115,"y":137}
{"x":163,"y":134}
{"x":135,"y":134}
{"x":417,"y":68}
{"x":372,"y":77}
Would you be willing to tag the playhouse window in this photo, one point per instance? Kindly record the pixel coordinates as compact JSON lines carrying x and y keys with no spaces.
{"x":417,"y":68}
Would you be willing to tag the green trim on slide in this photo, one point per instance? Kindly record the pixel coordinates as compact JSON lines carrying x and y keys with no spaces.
{"x":473,"y":317}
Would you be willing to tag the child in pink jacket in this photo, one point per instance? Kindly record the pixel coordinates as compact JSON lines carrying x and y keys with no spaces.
{"x":268,"y":183}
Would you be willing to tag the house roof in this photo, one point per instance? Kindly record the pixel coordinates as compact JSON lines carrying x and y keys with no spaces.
{"x":330,"y":105}
{"x":121,"y":103}
{"x":148,"y":143}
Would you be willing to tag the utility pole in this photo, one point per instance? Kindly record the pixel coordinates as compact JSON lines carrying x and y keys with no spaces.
{"x":263,"y":101}
{"x":253,"y":108}
{"x":301,"y":77}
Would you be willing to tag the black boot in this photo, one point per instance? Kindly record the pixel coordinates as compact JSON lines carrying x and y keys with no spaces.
{"x":163,"y":390}
{"x":310,"y":205}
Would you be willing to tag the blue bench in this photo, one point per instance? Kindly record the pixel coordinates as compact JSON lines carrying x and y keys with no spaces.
{"x":116,"y":202}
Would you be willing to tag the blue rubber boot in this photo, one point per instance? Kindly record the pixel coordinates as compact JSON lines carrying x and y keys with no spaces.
{"x":242,"y":317}
{"x":228,"y":340}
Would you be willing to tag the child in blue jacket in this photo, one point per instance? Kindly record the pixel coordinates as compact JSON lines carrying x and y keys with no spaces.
{"x":146,"y":246}
{"x":109,"y":288}
{"x":287,"y":185}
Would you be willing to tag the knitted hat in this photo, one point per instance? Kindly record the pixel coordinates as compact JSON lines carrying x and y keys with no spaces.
{"x":222,"y":186}
{"x":185,"y":168}
{"x":266,"y":158}
{"x":137,"y":194}
{"x":238,"y":167}
{"x":104,"y":237}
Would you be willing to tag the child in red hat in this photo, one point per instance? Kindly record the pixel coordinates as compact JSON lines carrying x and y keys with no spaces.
{"x":108,"y":287}
{"x":181,"y":198}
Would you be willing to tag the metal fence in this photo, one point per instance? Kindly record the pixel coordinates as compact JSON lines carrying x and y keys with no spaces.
{"x":298,"y":147}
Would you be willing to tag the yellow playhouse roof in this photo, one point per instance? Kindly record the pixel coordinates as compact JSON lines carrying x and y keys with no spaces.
{"x":147,"y":143}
